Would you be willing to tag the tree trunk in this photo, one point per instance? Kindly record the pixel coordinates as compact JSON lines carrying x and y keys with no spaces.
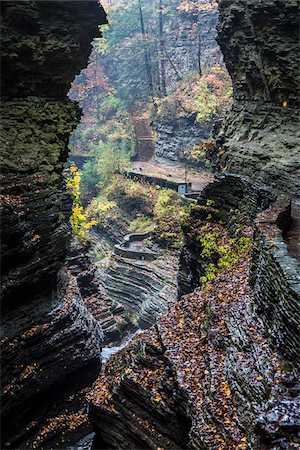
{"x":97,"y":87}
{"x":199,"y":46}
{"x":162,"y":62}
{"x":146,"y":52}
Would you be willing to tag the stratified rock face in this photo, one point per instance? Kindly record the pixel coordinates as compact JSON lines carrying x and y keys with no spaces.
{"x":35,"y":235}
{"x":191,"y":40}
{"x":276,"y":278}
{"x":177,"y":135}
{"x":260,"y":137}
{"x":45,"y":44}
{"x":142,"y":289}
{"x":47,"y":331}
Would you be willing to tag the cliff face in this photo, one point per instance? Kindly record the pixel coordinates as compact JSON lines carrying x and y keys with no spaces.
{"x":174,"y":136}
{"x":191,"y":40}
{"x":42,"y":311}
{"x":191,"y":43}
{"x":260,"y":137}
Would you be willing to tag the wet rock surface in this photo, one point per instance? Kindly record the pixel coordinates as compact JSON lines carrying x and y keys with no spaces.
{"x":275,"y":276}
{"x":191,"y":375}
{"x":122,"y":293}
{"x":260,"y":136}
{"x":176,"y":136}
{"x":34,"y":359}
{"x":144,"y":289}
{"x":49,"y":340}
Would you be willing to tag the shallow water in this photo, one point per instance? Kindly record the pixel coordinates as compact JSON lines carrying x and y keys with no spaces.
{"x":107,"y":352}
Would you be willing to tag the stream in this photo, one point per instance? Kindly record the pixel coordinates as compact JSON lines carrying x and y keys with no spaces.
{"x":86,"y":442}
{"x":108,"y":352}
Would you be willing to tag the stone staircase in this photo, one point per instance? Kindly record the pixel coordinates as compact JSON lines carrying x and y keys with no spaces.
{"x":145,"y":142}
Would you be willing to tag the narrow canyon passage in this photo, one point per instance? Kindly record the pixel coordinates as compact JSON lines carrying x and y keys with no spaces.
{"x":150,"y":224}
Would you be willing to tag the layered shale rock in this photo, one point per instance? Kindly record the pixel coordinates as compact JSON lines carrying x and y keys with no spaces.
{"x":185,"y":383}
{"x":143,"y":289}
{"x":123,"y":292}
{"x":209,"y":368}
{"x":174,"y":136}
{"x":275,"y":275}
{"x":260,"y":136}
{"x":47,"y":332}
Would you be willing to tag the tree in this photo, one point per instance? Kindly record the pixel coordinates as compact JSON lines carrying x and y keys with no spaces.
{"x":146,"y":51}
{"x":163,"y":87}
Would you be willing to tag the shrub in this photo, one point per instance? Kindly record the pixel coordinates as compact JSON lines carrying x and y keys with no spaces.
{"x":132,"y":196}
{"x":79,"y":220}
{"x":228,"y":251}
{"x":101,"y":209}
{"x":169,"y":211}
{"x":141,"y":224}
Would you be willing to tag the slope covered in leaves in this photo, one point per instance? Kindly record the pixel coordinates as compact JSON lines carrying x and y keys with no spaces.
{"x":180,"y":368}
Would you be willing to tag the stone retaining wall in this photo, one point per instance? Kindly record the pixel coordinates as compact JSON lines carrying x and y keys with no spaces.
{"x":127,"y":252}
{"x":164,"y":182}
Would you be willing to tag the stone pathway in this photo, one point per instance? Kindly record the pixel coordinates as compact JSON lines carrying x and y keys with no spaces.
{"x":199,"y":178}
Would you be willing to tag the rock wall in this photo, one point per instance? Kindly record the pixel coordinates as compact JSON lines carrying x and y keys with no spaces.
{"x":142,"y":289}
{"x":47,"y":332}
{"x":174,"y":137}
{"x":276,"y":279}
{"x":191,"y":39}
{"x":233,"y":200}
{"x":260,"y":136}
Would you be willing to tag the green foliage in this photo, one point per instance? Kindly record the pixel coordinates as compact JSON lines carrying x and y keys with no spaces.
{"x":228,"y":256}
{"x":209,"y":244}
{"x":89,"y":179}
{"x":141,"y":224}
{"x":168,"y":214}
{"x":210,"y":274}
{"x":204,"y":102}
{"x":228,"y":253}
{"x":110,"y":159}
{"x":144,"y":206}
{"x":207,"y":96}
{"x":125,"y":47}
{"x":131,"y":196}
{"x":243,"y":245}
{"x":101,"y":209}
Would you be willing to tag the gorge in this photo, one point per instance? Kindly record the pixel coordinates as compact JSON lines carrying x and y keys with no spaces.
{"x":211,"y":276}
